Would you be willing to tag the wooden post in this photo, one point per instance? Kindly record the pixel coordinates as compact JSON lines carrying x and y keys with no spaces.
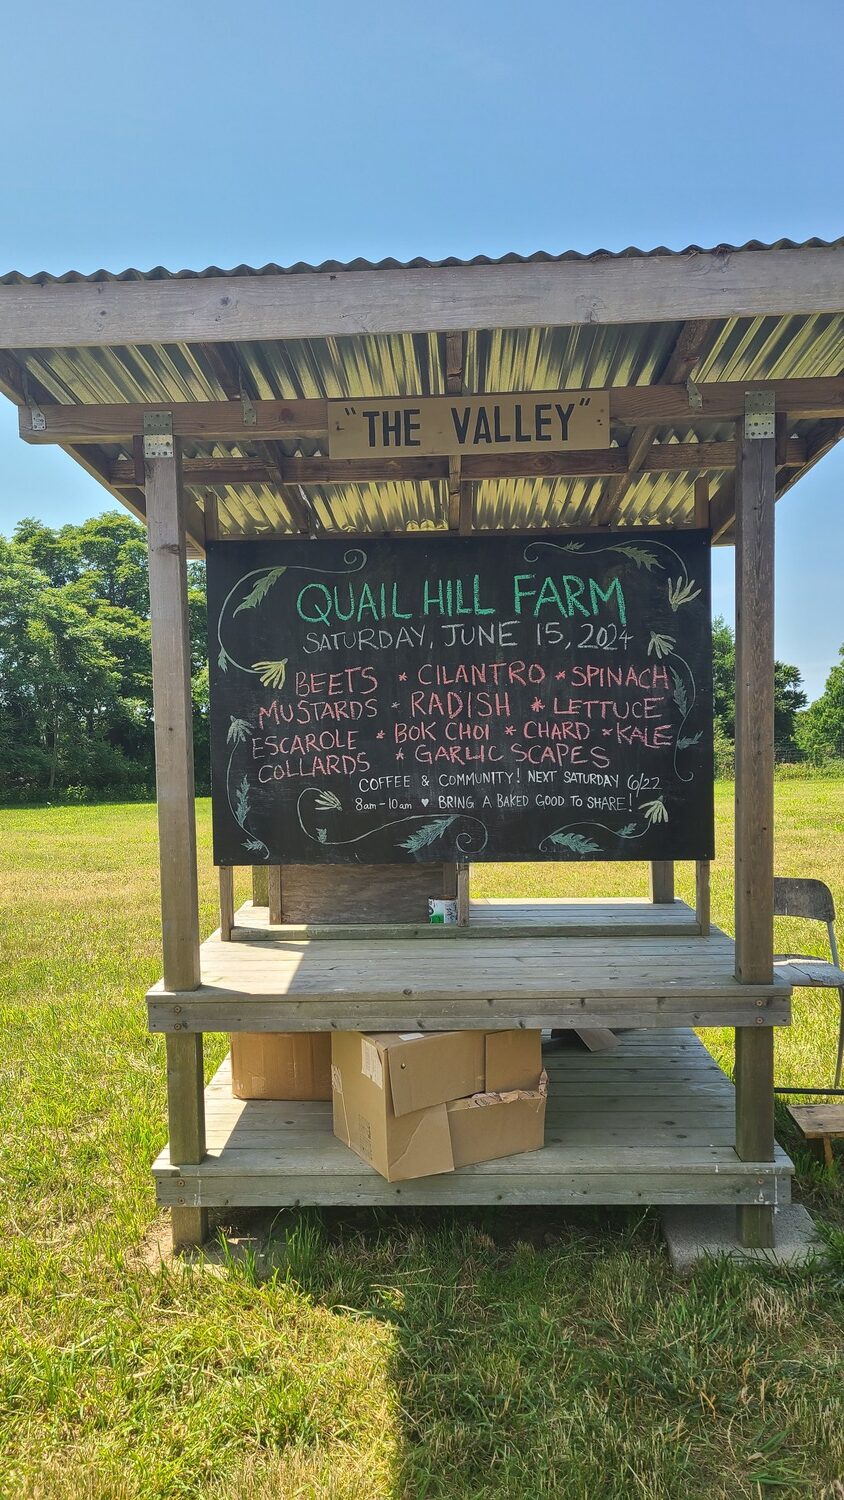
{"x":662,"y":881}
{"x":754,"y":869}
{"x":226,"y":902}
{"x":463,"y":895}
{"x":260,"y":894}
{"x":702,"y":895}
{"x":274,"y":895}
{"x":176,"y":824}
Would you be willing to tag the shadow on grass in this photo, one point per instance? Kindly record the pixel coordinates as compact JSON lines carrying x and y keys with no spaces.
{"x":544,"y":1352}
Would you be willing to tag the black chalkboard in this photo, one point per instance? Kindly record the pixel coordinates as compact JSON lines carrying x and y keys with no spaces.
{"x":437,"y":698}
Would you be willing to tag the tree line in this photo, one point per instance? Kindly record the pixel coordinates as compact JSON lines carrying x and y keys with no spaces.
{"x":76,"y":681}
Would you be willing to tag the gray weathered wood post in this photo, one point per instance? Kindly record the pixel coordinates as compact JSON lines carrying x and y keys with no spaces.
{"x":176,"y":820}
{"x":754,"y":812}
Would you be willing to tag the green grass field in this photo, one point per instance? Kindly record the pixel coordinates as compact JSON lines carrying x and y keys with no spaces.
{"x":518,"y":1353}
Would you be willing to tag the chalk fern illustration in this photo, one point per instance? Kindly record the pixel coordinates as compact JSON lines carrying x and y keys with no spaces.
{"x":241,"y":807}
{"x":260,"y":589}
{"x":679,"y":692}
{"x":573,"y":841}
{"x":427,"y":834}
{"x":638,"y":555}
{"x":687,"y":740}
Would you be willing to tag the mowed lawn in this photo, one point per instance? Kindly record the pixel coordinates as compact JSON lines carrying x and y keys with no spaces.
{"x":473,"y":1353}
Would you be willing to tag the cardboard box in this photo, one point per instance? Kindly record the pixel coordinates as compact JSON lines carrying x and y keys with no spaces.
{"x":281,"y":1065}
{"x":413,"y":1104}
{"x":501,"y":1124}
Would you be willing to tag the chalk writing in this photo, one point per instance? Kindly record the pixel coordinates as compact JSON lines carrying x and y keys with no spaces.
{"x":444,"y":698}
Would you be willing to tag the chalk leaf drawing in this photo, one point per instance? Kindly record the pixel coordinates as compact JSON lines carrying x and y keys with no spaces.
{"x":661,"y":645}
{"x":271,"y":673}
{"x":680,"y":692}
{"x":260,"y":589}
{"x":574,"y":841}
{"x":655,"y":812}
{"x":639,"y":555}
{"x":427,"y":834}
{"x":682,"y":593}
{"x":237,"y":731}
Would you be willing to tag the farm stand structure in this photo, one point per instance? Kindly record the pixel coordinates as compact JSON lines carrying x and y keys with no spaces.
{"x":204,"y":403}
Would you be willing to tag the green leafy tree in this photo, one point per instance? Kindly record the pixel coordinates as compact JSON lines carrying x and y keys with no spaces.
{"x":789,"y":697}
{"x":75,"y":672}
{"x":820,"y":730}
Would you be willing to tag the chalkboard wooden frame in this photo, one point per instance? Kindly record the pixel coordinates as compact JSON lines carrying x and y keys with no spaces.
{"x":364,"y":707}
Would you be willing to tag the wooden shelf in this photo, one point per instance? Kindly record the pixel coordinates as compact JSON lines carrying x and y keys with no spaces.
{"x":652,"y":1122}
{"x":489,"y":979}
{"x":488,"y":917}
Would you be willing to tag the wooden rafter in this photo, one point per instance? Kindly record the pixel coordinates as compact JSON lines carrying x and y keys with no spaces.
{"x":679,"y":365}
{"x":564,"y":293}
{"x":22,"y":388}
{"x":235,"y":382}
{"x":661,"y":458}
{"x":459,"y":490}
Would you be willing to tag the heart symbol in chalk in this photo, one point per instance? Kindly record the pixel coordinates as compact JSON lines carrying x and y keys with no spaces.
{"x":424,"y":801}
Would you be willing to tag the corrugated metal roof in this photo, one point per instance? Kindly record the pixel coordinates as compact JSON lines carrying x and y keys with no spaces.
{"x":419,"y":262}
{"x":495,"y":360}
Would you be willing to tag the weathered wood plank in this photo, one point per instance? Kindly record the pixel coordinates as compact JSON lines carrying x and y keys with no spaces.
{"x":565,"y":293}
{"x":809,"y":399}
{"x":702,"y":896}
{"x":662,"y":881}
{"x":275,"y":908}
{"x":226,"y":902}
{"x":606,"y":1145}
{"x":754,"y":881}
{"x":176,"y":827}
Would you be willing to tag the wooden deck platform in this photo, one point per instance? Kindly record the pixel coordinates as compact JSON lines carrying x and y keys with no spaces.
{"x":488,"y":977}
{"x":650,"y":1123}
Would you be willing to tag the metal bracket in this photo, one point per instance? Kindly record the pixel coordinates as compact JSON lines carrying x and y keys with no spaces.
{"x":158,"y":434}
{"x":695,"y":398}
{"x":246,"y":408}
{"x":37,"y":419}
{"x":759,"y":414}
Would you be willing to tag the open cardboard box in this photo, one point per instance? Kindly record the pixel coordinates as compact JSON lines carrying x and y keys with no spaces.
{"x":412,"y":1104}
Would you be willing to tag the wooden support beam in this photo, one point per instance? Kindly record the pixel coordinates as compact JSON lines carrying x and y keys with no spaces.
{"x":754,"y":874}
{"x":560,"y":293}
{"x":460,"y":504}
{"x":274,"y":900}
{"x":661,"y":458}
{"x":679,"y":365}
{"x":463,"y":895}
{"x":702,"y":898}
{"x":632,"y":405}
{"x":662,"y":881}
{"x":172,"y":712}
{"x":701,"y":502}
{"x":226,"y":902}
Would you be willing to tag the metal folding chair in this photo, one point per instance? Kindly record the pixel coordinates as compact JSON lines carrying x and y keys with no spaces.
{"x":812,"y":900}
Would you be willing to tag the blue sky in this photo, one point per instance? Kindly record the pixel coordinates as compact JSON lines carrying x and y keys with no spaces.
{"x":197,"y":134}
